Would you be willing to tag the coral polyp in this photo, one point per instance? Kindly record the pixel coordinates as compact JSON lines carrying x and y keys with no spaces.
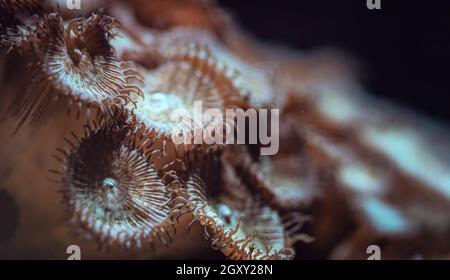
{"x":74,"y":62}
{"x":111,"y":189}
{"x":349,"y":170}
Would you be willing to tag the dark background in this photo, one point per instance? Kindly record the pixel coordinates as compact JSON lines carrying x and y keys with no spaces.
{"x":404,"y":48}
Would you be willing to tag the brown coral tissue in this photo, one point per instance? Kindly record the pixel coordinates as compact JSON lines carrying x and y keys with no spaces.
{"x":89,"y":157}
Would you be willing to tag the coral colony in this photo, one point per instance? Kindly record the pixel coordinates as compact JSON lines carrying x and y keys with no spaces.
{"x":183,"y":132}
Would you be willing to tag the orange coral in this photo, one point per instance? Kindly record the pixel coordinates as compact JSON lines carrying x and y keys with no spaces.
{"x":126,"y":181}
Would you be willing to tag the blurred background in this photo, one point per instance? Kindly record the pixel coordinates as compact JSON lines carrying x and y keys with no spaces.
{"x":402,"y":49}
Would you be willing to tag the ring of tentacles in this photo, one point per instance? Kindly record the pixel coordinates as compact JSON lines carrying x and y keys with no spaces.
{"x":125,"y":180}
